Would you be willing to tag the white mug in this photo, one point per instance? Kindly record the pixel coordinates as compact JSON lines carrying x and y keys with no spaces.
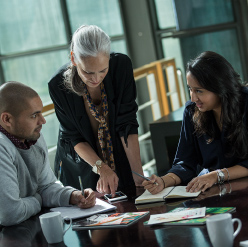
{"x":52,"y":225}
{"x":220,"y":229}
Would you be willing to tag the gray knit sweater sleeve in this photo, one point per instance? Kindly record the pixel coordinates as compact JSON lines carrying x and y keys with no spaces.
{"x":52,"y":193}
{"x":13,"y":209}
{"x":27,"y":182}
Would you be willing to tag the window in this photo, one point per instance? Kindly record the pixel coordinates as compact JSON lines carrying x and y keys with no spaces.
{"x":199,"y":26}
{"x":35,"y":41}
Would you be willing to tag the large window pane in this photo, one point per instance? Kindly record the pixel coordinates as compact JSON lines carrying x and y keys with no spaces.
{"x":223,"y":42}
{"x":105,"y":14}
{"x":50,"y":130}
{"x":27,"y":25}
{"x":199,"y":13}
{"x":165,"y":13}
{"x":119,"y":46}
{"x":35,"y":71}
{"x":172,"y":49}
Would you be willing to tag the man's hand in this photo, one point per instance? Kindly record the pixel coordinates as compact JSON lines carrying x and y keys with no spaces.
{"x":86,"y":201}
{"x":202,"y":183}
{"x":108,"y":181}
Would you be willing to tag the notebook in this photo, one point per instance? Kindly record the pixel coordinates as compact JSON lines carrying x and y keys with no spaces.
{"x":169,"y":192}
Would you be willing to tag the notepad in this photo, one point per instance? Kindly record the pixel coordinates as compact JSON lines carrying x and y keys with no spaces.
{"x":177,"y":215}
{"x":169,"y":192}
{"x":75,"y":212}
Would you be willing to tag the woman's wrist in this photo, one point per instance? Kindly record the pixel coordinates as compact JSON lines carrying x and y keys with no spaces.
{"x":169,"y":180}
{"x":163,"y":181}
{"x":104,"y":168}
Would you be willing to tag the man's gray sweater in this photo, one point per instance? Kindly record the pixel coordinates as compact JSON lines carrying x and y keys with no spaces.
{"x":27,"y":182}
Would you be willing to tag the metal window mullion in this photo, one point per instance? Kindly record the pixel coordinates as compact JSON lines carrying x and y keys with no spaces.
{"x":34,"y":52}
{"x":2,"y":77}
{"x":194,"y":31}
{"x":66,"y":19}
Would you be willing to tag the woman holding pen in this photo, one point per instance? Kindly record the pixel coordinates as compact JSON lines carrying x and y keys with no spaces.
{"x":94,"y":99}
{"x":214,"y":135}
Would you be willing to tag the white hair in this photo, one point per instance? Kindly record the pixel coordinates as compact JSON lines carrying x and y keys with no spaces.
{"x":89,"y":41}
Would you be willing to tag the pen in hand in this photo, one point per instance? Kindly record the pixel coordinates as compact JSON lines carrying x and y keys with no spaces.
{"x":81,"y":185}
{"x":148,"y":179}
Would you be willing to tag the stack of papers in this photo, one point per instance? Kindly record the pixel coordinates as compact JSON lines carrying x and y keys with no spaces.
{"x":103,"y":221}
{"x":176,"y":216}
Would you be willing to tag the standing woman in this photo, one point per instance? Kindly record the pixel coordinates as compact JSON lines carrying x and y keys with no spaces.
{"x":94,"y":98}
{"x":213,"y":143}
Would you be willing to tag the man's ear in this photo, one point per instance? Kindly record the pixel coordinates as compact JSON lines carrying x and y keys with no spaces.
{"x":73,"y":59}
{"x":6,"y":118}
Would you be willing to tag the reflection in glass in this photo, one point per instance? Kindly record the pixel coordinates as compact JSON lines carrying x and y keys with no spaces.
{"x":223,"y":42}
{"x":165,"y":13}
{"x":50,"y":130}
{"x":199,"y":13}
{"x":193,"y":236}
{"x":29,"y":25}
{"x":119,"y":46}
{"x":172,"y":49}
{"x":105,"y":14}
{"x":24,"y":234}
{"x":35,"y":71}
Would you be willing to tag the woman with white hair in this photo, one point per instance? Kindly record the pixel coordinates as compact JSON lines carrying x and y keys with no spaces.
{"x":94,"y":98}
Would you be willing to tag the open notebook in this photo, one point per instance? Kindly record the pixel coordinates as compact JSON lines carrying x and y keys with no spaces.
{"x":170,"y":192}
{"x":74,"y":212}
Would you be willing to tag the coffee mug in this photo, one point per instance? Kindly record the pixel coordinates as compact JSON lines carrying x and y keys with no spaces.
{"x":52,"y":225}
{"x":220,"y":229}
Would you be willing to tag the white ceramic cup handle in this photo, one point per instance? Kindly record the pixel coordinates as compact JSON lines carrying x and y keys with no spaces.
{"x":67,"y":218}
{"x":239,"y":227}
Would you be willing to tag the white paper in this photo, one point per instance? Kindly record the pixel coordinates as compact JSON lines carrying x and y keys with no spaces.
{"x":75,"y":212}
{"x":181,"y":215}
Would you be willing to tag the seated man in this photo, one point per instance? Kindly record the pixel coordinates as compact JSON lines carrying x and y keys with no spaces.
{"x":26,"y":180}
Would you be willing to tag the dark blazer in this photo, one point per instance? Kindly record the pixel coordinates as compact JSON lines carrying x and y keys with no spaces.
{"x":194,"y":154}
{"x":75,"y":125}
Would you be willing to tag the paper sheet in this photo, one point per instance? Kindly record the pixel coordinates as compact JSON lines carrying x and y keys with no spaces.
{"x":74,"y":212}
{"x":181,"y":215}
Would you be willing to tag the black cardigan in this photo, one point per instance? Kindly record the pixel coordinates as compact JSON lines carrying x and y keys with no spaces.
{"x":75,"y":125}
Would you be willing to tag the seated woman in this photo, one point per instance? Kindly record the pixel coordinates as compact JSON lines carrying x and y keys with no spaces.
{"x":213,"y":140}
{"x":94,"y":99}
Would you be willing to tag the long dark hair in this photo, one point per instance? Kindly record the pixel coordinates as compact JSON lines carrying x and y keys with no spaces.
{"x":214,"y":73}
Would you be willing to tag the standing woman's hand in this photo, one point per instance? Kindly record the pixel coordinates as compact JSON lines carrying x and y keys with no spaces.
{"x":108,"y":181}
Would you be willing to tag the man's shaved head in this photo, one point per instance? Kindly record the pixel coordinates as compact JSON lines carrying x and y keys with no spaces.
{"x":14,"y":97}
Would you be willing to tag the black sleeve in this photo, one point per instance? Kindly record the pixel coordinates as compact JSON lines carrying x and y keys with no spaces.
{"x":65,"y":111}
{"x":126,"y":121}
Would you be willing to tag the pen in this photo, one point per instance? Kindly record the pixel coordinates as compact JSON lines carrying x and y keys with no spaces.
{"x":81,"y":185}
{"x":148,"y":179}
{"x":60,"y":168}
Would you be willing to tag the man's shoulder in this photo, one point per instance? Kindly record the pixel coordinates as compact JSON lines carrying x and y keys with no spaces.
{"x":6,"y":145}
{"x":41,"y":143}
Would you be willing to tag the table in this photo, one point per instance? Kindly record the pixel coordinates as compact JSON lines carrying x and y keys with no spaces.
{"x":29,"y":233}
{"x":165,"y":133}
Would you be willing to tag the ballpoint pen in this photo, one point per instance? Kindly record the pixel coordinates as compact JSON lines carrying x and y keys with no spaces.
{"x":81,"y":185}
{"x":148,"y":179}
{"x":60,"y":169}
